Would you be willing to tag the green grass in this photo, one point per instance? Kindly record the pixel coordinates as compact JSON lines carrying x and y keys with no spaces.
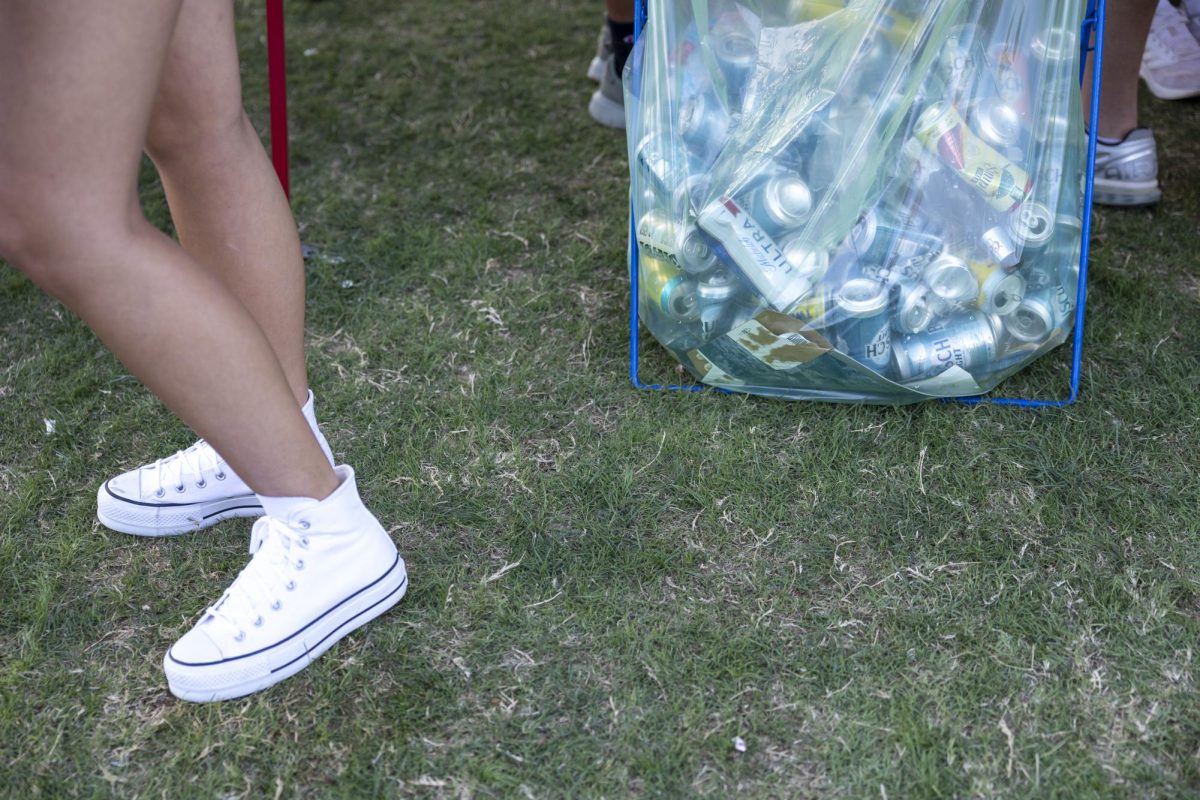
{"x":608,"y":586}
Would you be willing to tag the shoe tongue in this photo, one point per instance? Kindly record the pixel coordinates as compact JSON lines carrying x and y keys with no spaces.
{"x":285,"y":508}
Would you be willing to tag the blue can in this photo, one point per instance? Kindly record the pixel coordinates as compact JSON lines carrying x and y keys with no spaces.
{"x":865,"y":332}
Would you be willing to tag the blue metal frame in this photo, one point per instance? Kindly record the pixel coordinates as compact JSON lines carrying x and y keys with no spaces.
{"x":1093,"y":22}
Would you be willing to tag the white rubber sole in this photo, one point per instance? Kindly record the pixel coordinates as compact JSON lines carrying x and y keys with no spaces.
{"x":596,"y":69}
{"x":243,"y":675}
{"x":1164,"y":92}
{"x":607,"y":112}
{"x":142,"y":519}
{"x":1126,"y":193}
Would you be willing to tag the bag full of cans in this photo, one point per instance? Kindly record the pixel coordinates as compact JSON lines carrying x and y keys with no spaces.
{"x":857,"y":200}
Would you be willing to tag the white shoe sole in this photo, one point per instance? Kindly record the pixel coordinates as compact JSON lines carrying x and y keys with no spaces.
{"x":1125,"y":193}
{"x":605,"y":111}
{"x":596,"y":69}
{"x":253,"y":672}
{"x":1163,"y":92}
{"x":167,"y":519}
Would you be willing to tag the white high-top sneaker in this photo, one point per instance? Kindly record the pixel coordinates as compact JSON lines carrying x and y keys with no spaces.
{"x":189,"y":491}
{"x":320,"y":570}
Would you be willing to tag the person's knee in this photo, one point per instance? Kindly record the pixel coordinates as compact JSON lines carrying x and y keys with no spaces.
{"x":180,"y":136}
{"x":52,"y":240}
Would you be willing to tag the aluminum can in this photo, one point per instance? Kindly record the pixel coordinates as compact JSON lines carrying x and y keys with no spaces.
{"x":1032,"y":224}
{"x":656,"y":234}
{"x":810,"y":262}
{"x":864,"y":332}
{"x":996,"y":122}
{"x":658,"y":159}
{"x":664,"y":287}
{"x":1000,"y":291}
{"x":697,"y":255}
{"x":1010,"y":70}
{"x":951,"y":281}
{"x":914,"y":307}
{"x":960,"y":58}
{"x":704,"y":125}
{"x":880,"y":237}
{"x":781,"y":203}
{"x":736,"y":52}
{"x":1040,"y":314}
{"x":717,"y":288}
{"x":1003,"y":184}
{"x":755,"y":254}
{"x":1000,"y":247}
{"x":966,"y":340}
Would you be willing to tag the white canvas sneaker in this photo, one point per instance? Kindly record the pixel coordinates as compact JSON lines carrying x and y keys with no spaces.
{"x":320,"y":570}
{"x":189,"y":491}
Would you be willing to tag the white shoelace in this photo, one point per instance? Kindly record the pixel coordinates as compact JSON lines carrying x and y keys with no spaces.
{"x":260,"y":588}
{"x":1170,"y":40}
{"x":169,"y":471}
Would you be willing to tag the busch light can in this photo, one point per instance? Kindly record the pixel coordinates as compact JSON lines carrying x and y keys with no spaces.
{"x":864,"y":332}
{"x":1000,"y":291}
{"x":966,"y":340}
{"x":951,"y":281}
{"x":1040,"y":313}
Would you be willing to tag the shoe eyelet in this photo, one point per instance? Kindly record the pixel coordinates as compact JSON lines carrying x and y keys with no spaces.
{"x":258,"y":622}
{"x":161,"y":492}
{"x":241,"y":636}
{"x":180,"y":489}
{"x":304,"y":525}
{"x":304,"y":542}
{"x":201,"y":484}
{"x":300,"y":564}
{"x":220,"y":476}
{"x":291,"y":585}
{"x":276,"y":605}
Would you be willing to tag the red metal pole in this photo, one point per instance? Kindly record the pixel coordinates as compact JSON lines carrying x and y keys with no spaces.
{"x":277,"y":80}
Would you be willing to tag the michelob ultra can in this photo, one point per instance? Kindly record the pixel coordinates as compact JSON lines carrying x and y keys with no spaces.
{"x":1003,"y":184}
{"x":966,"y":340}
{"x":864,"y":332}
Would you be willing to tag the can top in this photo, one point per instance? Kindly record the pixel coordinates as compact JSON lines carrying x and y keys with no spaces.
{"x":950,"y":278}
{"x":862,"y":235}
{"x":808,"y":261}
{"x":998,"y":122}
{"x":862,"y":297}
{"x":695,"y":254}
{"x":787,"y":199}
{"x":914,"y":310}
{"x":737,"y":47}
{"x":1033,"y":222}
{"x":1031,"y":321}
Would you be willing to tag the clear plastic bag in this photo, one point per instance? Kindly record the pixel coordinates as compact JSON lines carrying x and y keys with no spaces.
{"x":857,"y":200}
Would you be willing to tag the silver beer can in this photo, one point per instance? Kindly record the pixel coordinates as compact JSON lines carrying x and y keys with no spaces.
{"x":736,"y":51}
{"x":864,"y":332}
{"x":1000,"y":291}
{"x":1040,"y":314}
{"x":996,"y":122}
{"x":1032,"y":224}
{"x":696,"y":253}
{"x":951,"y":282}
{"x":914,"y":307}
{"x":810,"y":262}
{"x":999,"y":246}
{"x":783,"y":203}
{"x":704,"y":125}
{"x":966,"y":340}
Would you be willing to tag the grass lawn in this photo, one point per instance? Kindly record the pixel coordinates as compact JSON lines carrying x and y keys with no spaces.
{"x":608,"y":586}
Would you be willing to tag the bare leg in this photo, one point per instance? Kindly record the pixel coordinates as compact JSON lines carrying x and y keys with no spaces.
{"x":77,"y":82}
{"x":229,"y":210}
{"x":1127,"y":26}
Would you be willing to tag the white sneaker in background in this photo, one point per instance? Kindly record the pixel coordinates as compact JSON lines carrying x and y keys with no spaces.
{"x":604,"y":51}
{"x":320,"y":570}
{"x":1127,"y":172}
{"x":607,"y":105}
{"x":1191,"y":9}
{"x":1171,"y":61}
{"x":189,"y":491}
